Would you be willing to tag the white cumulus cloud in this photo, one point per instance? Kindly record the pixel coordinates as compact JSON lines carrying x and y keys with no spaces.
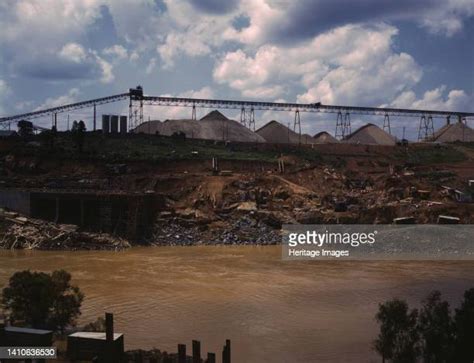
{"x":117,"y":51}
{"x":353,"y":64}
{"x":70,"y":97}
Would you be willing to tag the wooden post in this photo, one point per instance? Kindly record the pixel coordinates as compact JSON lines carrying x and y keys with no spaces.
{"x":196,"y":351}
{"x":181,"y":353}
{"x":109,"y":353}
{"x":82,"y":211}
{"x":211,"y":358}
{"x":227,"y":351}
{"x":56,"y":218}
{"x":109,"y":327}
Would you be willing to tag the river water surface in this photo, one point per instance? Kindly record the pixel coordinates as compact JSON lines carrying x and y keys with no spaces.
{"x":272,"y":310}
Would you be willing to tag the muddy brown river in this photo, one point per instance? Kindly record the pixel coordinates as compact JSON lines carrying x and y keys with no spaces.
{"x":273,"y":311}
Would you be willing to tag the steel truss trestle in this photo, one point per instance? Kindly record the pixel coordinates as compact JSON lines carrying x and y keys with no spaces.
{"x":137,"y":101}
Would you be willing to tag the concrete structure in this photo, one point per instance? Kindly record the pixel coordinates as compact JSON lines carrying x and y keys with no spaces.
{"x":123,"y":125}
{"x":124,"y":214}
{"x":16,"y":200}
{"x":105,"y":124}
{"x":114,"y":119}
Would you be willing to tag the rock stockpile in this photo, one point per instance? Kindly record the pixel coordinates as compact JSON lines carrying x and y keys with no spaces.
{"x":454,"y":132}
{"x":324,"y":138}
{"x":213,"y":126}
{"x":240,"y":231}
{"x":277,"y":133}
{"x":370,"y":134}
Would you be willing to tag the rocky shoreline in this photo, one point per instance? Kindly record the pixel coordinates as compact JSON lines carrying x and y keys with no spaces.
{"x":240,"y":231}
{"x":19,"y":232}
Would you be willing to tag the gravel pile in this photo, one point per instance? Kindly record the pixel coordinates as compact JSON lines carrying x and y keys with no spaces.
{"x":277,"y":133}
{"x":324,"y":138}
{"x":454,"y":132}
{"x":370,"y":134}
{"x":213,"y":126}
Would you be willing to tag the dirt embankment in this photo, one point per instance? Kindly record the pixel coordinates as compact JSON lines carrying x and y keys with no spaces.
{"x":247,"y":201}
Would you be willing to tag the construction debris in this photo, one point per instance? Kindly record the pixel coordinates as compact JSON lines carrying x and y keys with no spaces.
{"x":25,"y":233}
{"x":404,"y":220}
{"x":448,"y":220}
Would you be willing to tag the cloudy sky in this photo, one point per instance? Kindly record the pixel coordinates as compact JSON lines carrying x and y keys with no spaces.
{"x":402,"y":53}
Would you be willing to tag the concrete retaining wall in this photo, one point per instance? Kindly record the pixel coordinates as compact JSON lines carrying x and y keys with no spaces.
{"x":18,"y":201}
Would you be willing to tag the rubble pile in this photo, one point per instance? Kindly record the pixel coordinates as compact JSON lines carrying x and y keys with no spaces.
{"x":245,"y":230}
{"x":18,"y":232}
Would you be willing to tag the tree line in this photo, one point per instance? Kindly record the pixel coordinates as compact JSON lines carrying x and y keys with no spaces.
{"x":431,"y":334}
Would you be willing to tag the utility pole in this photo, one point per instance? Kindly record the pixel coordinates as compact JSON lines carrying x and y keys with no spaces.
{"x":95,"y":117}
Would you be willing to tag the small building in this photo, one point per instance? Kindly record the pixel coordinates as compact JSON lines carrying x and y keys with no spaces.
{"x":25,"y":337}
{"x":105,"y":346}
{"x":88,"y":345}
{"x":5,"y":134}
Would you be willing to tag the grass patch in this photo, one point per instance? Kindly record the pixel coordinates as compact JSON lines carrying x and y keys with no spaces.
{"x":122,"y":148}
{"x":432,"y":154}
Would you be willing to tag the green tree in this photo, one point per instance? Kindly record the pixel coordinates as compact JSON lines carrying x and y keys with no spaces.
{"x":49,"y":136}
{"x":464,"y":323}
{"x":398,"y":337}
{"x":78,"y":133}
{"x":42,"y":300}
{"x":25,"y":128}
{"x":436,"y":329}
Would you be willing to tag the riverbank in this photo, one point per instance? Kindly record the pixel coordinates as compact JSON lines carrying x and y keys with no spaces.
{"x":161,"y":192}
{"x":272,"y":310}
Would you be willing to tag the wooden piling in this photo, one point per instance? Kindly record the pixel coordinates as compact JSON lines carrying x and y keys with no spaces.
{"x":211,"y":358}
{"x":167,"y":358}
{"x":181,"y":353}
{"x":226,"y":352}
{"x":196,"y":351}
